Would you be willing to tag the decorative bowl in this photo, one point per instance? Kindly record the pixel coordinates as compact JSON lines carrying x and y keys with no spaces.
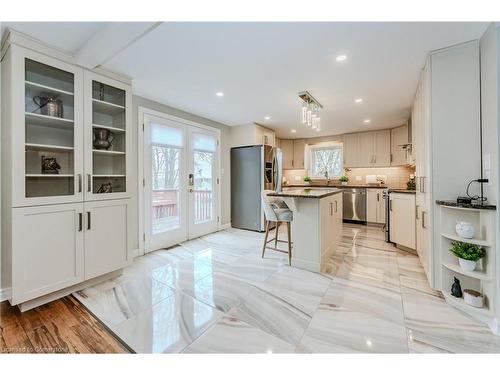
{"x":465,"y":229}
{"x":473,"y":298}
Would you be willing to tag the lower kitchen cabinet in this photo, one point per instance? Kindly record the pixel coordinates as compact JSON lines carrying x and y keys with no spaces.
{"x":331,"y":224}
{"x":47,"y":249}
{"x":402,"y":219}
{"x":57,"y":246}
{"x":106,"y":240}
{"x":375,"y":206}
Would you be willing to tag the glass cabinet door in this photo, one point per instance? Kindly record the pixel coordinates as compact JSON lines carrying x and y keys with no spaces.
{"x":106,"y":137}
{"x":53,"y":138}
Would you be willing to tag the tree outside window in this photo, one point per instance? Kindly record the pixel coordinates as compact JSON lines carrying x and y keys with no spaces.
{"x":326,"y":159}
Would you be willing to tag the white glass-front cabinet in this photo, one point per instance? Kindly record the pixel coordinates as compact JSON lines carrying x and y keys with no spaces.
{"x":108,"y":116}
{"x":46,"y":129}
{"x":65,"y":173}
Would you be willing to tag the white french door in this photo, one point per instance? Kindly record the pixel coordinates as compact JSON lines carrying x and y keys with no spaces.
{"x":181,"y":176}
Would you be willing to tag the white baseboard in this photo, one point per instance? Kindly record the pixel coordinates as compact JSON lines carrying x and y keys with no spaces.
{"x":4,"y":294}
{"x":225,"y":226}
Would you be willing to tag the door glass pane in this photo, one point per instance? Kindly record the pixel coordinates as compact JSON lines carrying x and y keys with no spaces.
{"x":165,"y":162}
{"x":203,"y":186}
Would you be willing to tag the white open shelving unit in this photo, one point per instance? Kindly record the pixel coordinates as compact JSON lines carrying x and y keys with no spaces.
{"x":484,"y":278}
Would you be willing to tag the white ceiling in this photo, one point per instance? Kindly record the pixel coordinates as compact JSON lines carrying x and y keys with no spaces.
{"x":261,"y":67}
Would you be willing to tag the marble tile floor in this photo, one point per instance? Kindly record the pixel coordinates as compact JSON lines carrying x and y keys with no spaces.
{"x":215,"y":294}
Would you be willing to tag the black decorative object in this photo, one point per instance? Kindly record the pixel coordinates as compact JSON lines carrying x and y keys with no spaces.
{"x":105,"y":188}
{"x":50,"y":166}
{"x":456,"y":289}
{"x":103,"y":139}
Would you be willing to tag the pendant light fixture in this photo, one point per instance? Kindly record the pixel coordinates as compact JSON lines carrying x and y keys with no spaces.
{"x":310,"y":111}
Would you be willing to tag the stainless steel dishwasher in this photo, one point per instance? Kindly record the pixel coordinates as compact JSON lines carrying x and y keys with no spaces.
{"x":354,"y":203}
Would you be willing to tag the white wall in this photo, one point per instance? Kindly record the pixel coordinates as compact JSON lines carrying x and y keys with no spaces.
{"x":490,"y":100}
{"x":225,"y":146}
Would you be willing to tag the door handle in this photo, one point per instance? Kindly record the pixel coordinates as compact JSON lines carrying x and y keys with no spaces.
{"x":416,"y":212}
{"x":89,"y":182}
{"x":378,"y":197}
{"x":390,"y":205}
{"x":79,"y":182}
{"x":88,"y":220}
{"x":331,"y":209}
{"x":336,"y":206}
{"x":422,"y":185}
{"x":80,"y":221}
{"x":423,"y":220}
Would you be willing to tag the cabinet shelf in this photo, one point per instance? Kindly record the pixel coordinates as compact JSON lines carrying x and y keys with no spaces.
{"x":43,"y":175}
{"x":33,"y":89}
{"x":108,"y":152}
{"x":460,"y":304}
{"x":36,"y":146}
{"x":106,"y":107}
{"x":475,"y":274}
{"x":474,"y":241}
{"x":112,"y":128}
{"x":108,"y":175}
{"x":48,"y":121}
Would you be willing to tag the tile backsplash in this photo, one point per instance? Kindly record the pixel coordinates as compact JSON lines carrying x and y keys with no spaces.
{"x":397,"y":177}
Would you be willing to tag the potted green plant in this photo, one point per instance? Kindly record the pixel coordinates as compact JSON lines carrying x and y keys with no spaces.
{"x":307,"y":180}
{"x":343,"y":180}
{"x":468,"y":254}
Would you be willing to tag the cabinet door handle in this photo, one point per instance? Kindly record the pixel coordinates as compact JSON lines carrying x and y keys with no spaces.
{"x":88,"y":220}
{"x":336,"y":206}
{"x":80,"y":221}
{"x":378,"y":197}
{"x":423,"y":220}
{"x":416,"y":212}
{"x":331,"y":209}
{"x":390,"y":205}
{"x":422,"y":185}
{"x":79,"y":182}
{"x":391,"y":158}
{"x":89,"y":182}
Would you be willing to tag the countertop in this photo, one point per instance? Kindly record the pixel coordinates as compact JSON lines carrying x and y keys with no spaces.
{"x":403,"y":191}
{"x":353,"y":186}
{"x":306,"y":193}
{"x":475,"y":205}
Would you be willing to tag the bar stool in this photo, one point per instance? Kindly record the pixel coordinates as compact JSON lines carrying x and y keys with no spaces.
{"x":276,"y":211}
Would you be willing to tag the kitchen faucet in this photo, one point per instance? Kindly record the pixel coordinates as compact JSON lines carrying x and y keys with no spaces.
{"x":327,"y":178}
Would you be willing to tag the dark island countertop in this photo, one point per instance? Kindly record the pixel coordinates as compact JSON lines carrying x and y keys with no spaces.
{"x":306,"y":193}
{"x":337,"y":186}
{"x":403,"y":191}
{"x":475,"y":205}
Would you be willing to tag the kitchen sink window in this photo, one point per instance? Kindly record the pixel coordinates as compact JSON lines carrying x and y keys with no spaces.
{"x":324,"y":157}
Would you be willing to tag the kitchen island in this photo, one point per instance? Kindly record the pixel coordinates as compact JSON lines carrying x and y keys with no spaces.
{"x":316,"y":225}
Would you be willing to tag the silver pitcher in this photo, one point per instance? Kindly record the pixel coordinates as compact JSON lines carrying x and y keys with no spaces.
{"x":49,"y":106}
{"x":103,"y":138}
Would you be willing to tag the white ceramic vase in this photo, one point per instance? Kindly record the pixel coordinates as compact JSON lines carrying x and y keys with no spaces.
{"x":344,"y":183}
{"x":465,"y":229}
{"x":467,"y":265}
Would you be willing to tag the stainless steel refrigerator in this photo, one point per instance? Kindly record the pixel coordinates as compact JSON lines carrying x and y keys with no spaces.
{"x":253,"y":169}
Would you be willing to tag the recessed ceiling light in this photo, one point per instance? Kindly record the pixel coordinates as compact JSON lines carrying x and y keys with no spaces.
{"x":358,"y":100}
{"x":294,"y":131}
{"x":340,"y":58}
{"x":219,"y":93}
{"x":367,"y":121}
{"x":267,"y":118}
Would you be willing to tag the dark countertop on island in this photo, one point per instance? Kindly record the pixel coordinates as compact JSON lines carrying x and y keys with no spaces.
{"x":306,"y":193}
{"x":337,"y":186}
{"x":475,"y":205}
{"x":403,"y":191}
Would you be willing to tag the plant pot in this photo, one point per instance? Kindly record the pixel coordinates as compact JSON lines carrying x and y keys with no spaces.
{"x":307,"y":183}
{"x":473,"y":298}
{"x":344,"y":183}
{"x":467,"y":265}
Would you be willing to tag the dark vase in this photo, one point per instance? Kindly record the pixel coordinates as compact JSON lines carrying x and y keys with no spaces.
{"x":456,"y":289}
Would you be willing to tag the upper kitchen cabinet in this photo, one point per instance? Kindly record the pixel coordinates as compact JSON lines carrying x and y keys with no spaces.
{"x":108,"y":119}
{"x":293,"y":153}
{"x":252,"y":134}
{"x":400,"y":151}
{"x":42,"y":129}
{"x":351,"y":150}
{"x":368,"y":149}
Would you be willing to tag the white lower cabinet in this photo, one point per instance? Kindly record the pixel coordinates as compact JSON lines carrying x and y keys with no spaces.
{"x":402,"y":219}
{"x":375,"y":206}
{"x":106,"y":241}
{"x":57,"y":246}
{"x":331,"y":224}
{"x":47,"y":243}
